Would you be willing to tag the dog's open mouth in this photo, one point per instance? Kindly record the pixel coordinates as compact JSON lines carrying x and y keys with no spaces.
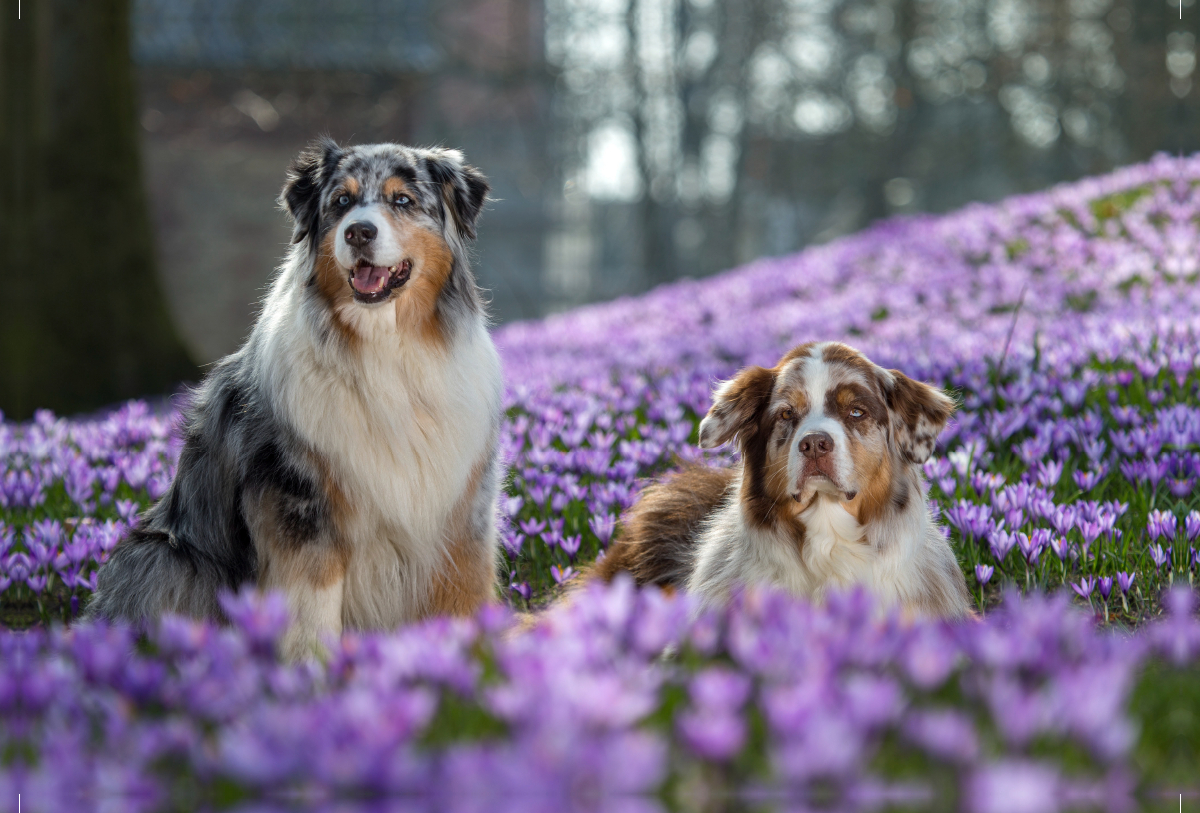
{"x":375,"y":283}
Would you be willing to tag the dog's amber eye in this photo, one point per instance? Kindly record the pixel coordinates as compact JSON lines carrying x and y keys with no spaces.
{"x":787,"y":414}
{"x":402,"y":200}
{"x":856,"y":413}
{"x":343,"y":201}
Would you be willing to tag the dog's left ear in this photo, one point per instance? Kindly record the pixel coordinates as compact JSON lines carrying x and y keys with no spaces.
{"x":919,"y":414}
{"x":464,"y":189}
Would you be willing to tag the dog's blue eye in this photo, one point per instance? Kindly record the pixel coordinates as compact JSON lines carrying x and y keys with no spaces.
{"x":402,"y":200}
{"x":344,"y":200}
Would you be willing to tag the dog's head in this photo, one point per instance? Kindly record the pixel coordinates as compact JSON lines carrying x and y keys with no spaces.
{"x":825,"y":421}
{"x":383,"y":220}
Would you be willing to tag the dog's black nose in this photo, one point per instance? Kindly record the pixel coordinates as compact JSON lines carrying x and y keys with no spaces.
{"x":816,"y":444}
{"x":359,"y":233}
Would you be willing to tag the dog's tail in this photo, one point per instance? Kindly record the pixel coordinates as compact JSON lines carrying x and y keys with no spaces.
{"x":658,"y":538}
{"x":151,"y":573}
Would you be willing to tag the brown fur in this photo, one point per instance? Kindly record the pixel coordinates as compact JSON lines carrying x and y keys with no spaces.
{"x":334,"y":285}
{"x":870,"y":503}
{"x":916,"y":403}
{"x":468,"y":579}
{"x":395,"y":186}
{"x":286,"y":563}
{"x":658,"y":532}
{"x":432,"y":263}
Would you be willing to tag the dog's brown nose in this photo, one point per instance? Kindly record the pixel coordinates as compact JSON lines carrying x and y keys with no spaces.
{"x":359,"y":233}
{"x":816,"y":444}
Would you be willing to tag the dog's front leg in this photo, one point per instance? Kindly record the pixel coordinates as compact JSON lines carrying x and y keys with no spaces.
{"x":313,"y":585}
{"x":307,"y":564}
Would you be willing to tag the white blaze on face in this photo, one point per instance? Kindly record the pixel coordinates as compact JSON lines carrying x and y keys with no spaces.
{"x":817,"y":378}
{"x":385,"y":250}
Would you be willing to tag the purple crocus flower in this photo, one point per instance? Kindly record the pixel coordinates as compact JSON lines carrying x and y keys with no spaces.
{"x":1030,"y":547}
{"x":602,"y":526}
{"x":1161,"y":524}
{"x":512,"y":544}
{"x":570,"y":545}
{"x":1049,"y":472}
{"x":1125,"y":581}
{"x":1105,"y":583}
{"x":1192,"y":525}
{"x":511,"y":506}
{"x":1001,"y":542}
{"x":1061,"y":547}
{"x":1158,"y":555}
{"x":532,"y":526}
{"x":1084,"y":587}
{"x":983,"y":573}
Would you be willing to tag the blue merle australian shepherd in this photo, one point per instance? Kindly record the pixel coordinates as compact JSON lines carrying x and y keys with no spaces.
{"x":346,"y":455}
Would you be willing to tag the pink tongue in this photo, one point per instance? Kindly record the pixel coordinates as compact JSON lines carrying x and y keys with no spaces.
{"x":370,"y":279}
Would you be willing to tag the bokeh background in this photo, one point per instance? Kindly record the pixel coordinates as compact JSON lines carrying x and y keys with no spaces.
{"x":629,"y":143}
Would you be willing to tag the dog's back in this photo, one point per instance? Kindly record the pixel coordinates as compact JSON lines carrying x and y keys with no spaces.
{"x":659,"y":533}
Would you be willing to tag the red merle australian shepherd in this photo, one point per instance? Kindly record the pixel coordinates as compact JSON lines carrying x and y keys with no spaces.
{"x":829,"y":492}
{"x":347,"y":453}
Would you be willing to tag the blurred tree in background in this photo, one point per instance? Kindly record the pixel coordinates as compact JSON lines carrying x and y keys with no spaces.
{"x":83,"y":321}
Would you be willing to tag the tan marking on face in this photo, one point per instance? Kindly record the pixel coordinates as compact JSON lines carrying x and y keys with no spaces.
{"x":432,"y":259}
{"x":467,"y":578}
{"x":351,"y":186}
{"x":873,"y":469}
{"x":797,"y":399}
{"x":333,"y":283}
{"x":394,"y":187}
{"x":777,"y":483}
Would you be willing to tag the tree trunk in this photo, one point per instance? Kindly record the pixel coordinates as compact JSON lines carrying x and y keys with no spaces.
{"x":83,"y":320}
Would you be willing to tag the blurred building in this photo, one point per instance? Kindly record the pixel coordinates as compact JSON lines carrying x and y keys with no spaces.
{"x":233,"y":89}
{"x":632,"y":142}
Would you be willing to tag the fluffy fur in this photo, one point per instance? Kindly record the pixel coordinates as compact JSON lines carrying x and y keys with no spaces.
{"x":347,"y":453}
{"x":829,"y":492}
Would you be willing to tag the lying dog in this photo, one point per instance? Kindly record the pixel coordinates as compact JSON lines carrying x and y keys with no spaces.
{"x":829,"y":492}
{"x":347,"y":453}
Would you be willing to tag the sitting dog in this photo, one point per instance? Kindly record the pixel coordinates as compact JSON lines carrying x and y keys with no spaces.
{"x":347,"y":453}
{"x":829,"y":492}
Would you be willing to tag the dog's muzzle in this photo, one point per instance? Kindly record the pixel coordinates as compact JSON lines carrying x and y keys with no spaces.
{"x":817,"y":449}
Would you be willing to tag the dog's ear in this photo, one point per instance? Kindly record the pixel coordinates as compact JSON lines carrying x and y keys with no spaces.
{"x":301,"y":195}
{"x":919,"y":414}
{"x":463,"y":188}
{"x":737,"y":406}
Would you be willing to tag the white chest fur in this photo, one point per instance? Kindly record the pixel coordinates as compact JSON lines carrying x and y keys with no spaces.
{"x":835,"y":551}
{"x":836,"y":554}
{"x":403,"y":428}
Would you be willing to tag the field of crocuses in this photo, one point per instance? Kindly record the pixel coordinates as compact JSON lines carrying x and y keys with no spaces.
{"x":1068,"y":324}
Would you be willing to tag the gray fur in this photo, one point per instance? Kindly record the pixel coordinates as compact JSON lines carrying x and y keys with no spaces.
{"x":240,"y":451}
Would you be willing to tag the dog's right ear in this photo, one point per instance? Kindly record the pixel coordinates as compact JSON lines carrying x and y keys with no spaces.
{"x":737,"y":406}
{"x":301,"y":195}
